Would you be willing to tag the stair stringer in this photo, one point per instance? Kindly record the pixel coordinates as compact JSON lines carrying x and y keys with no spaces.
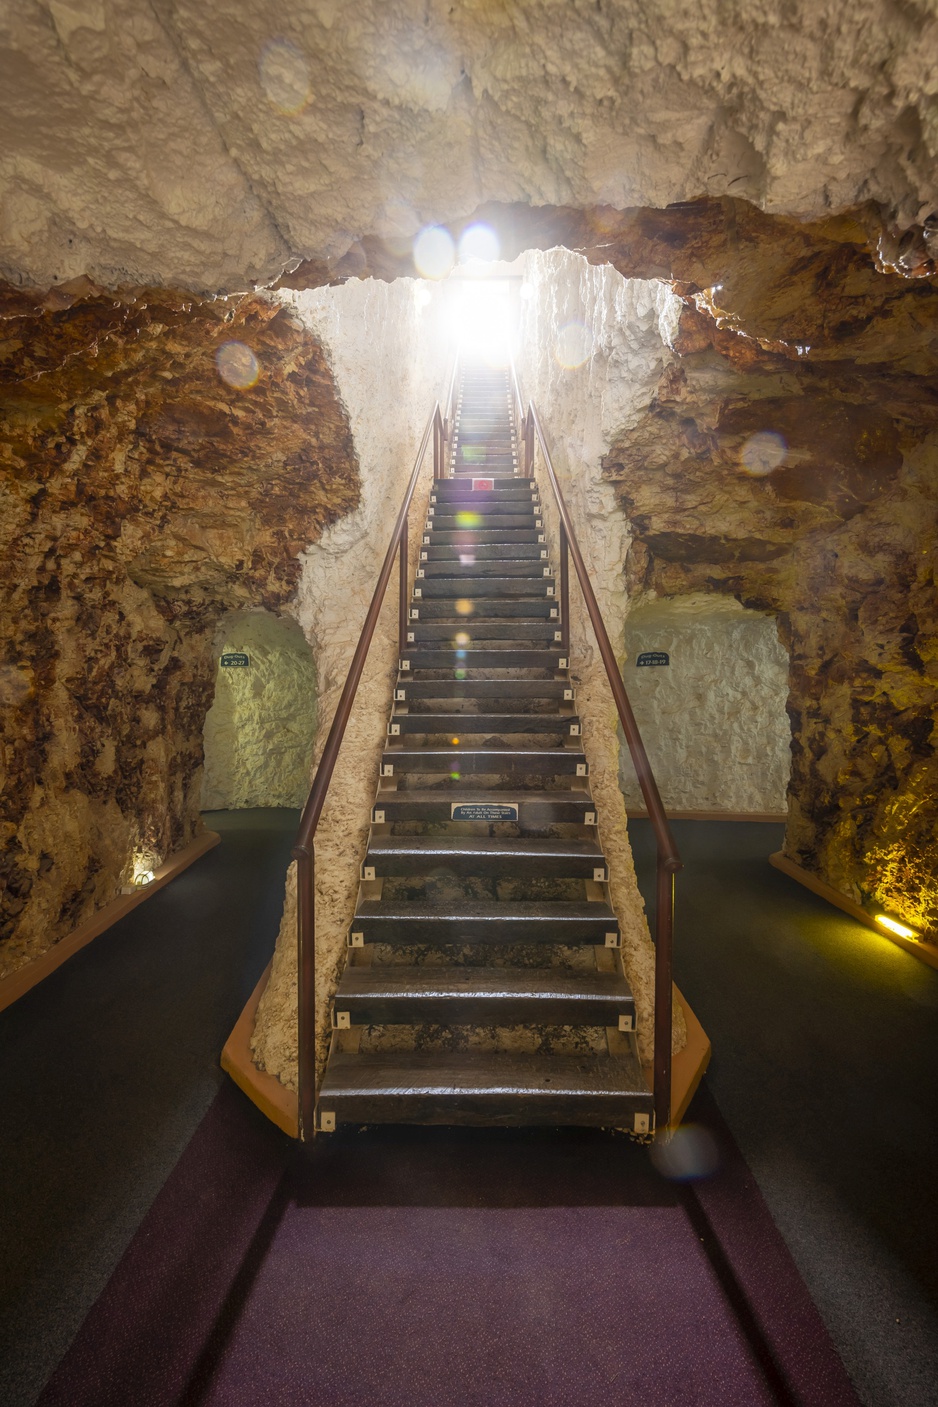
{"x":602,"y":744}
{"x":341,"y":838}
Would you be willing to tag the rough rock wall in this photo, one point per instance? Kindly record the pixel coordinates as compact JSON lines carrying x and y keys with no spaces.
{"x":203,"y":145}
{"x":713,"y":720}
{"x":591,"y":349}
{"x":143,"y":496}
{"x":259,"y":731}
{"x":388,"y":350}
{"x":805,"y":485}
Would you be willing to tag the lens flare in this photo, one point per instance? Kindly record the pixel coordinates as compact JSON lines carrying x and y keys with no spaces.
{"x":455,"y":742}
{"x":237,"y":365}
{"x":468,"y":520}
{"x":762,"y":453}
{"x":284,"y":76}
{"x":455,"y":776}
{"x":466,"y":559}
{"x":690,"y":1153}
{"x":574,"y":345}
{"x":460,"y":673}
{"x":434,"y":252}
{"x":478,"y":242}
{"x":422,"y":296}
{"x":462,"y":640}
{"x":526,"y":291}
{"x":464,"y":607}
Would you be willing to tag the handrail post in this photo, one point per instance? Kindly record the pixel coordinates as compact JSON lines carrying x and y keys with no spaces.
{"x":664,"y":934}
{"x":402,"y":596}
{"x":306,"y":990}
{"x":564,"y":592}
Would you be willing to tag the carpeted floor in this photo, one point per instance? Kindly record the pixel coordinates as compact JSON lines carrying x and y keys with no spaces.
{"x":825,"y":1052}
{"x":106,"y":1070}
{"x":411,"y":1268}
{"x":471,"y":1245}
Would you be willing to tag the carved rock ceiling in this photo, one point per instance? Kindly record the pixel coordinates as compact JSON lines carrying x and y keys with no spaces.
{"x":206,"y":145}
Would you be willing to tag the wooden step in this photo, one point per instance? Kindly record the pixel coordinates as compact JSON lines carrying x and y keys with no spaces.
{"x":484,"y":761}
{"x":453,"y":569}
{"x":479,"y":537}
{"x":407,"y":689}
{"x":477,"y":630}
{"x":478,"y":1088}
{"x":425,"y":657}
{"x":426,"y":588}
{"x":471,"y":520}
{"x":533,"y":808}
{"x":489,"y":608}
{"x":566,"y":923}
{"x":470,"y":996}
{"x":468,"y":723}
{"x":484,"y":856}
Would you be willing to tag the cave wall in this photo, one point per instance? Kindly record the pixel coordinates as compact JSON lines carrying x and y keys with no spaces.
{"x":206,"y":146}
{"x":144,"y":496}
{"x":714,"y":719}
{"x":802,"y":481}
{"x":389,"y":349}
{"x":591,"y":348}
{"x":260,"y":729}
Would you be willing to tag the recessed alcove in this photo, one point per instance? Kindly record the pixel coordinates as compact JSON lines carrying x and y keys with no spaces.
{"x":708,"y":681}
{"x":260,"y":729}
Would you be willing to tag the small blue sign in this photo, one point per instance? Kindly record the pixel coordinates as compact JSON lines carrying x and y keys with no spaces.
{"x":235,"y":661}
{"x":657,"y":657}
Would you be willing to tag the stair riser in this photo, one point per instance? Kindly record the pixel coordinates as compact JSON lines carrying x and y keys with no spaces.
{"x":483,"y":1011}
{"x":558,"y":762}
{"x":531,"y":814}
{"x":480,"y":631}
{"x":469,"y":723}
{"x":466,"y":540}
{"x":514,"y":1110}
{"x":483,"y":689}
{"x":534,"y":569}
{"x":484,"y":522}
{"x":405,"y":933}
{"x":475,"y":587}
{"x":483,"y":867}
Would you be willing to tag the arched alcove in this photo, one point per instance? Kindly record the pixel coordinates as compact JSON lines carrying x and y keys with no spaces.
{"x":260,"y":729}
{"x":708,"y":680}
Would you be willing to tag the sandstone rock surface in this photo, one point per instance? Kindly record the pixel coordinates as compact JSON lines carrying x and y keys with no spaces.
{"x":207,"y":146}
{"x":143,"y":497}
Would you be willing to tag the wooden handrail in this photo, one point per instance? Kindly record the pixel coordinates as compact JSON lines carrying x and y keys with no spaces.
{"x":303,"y":849}
{"x":668,"y":858}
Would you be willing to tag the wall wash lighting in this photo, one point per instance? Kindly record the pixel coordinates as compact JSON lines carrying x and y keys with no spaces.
{"x":896,"y":927}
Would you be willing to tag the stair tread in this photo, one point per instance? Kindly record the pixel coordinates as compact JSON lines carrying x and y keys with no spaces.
{"x":515,"y":846}
{"x":559,"y":910}
{"x":542,"y":982}
{"x":442,"y":1074}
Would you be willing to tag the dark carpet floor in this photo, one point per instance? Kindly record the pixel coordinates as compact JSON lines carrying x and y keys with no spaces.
{"x":825,"y":1043}
{"x":825,"y":1067}
{"x":106,"y":1070}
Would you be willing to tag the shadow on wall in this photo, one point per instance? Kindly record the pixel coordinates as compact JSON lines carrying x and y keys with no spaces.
{"x":260,"y":729}
{"x":708,"y":680}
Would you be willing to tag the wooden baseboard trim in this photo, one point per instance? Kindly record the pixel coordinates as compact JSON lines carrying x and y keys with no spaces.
{"x":18,"y":983}
{"x":775,"y":817}
{"x":925,"y":950}
{"x":279,"y":1103}
{"x":274,"y":1100}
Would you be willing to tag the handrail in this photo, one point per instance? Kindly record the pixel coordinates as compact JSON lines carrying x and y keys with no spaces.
{"x":304,"y":849}
{"x":668,"y":859}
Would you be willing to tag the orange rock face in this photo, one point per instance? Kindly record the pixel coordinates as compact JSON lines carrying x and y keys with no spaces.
{"x":810,"y":489}
{"x":164,"y":461}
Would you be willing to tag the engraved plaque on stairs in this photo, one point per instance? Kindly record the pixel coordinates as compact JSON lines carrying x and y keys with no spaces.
{"x":483,"y":811}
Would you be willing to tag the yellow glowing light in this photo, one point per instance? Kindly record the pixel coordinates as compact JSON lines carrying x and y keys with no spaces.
{"x":468,"y":520}
{"x":462,"y":640}
{"x":464,"y":607}
{"x":455,"y":742}
{"x":895,"y":926}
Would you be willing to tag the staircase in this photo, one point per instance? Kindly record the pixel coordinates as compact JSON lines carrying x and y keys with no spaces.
{"x":484,"y":982}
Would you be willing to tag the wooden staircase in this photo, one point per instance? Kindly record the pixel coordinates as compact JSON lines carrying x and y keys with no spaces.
{"x":484,"y":982}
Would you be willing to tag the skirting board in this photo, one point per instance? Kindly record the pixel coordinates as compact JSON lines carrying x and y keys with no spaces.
{"x":925,"y":951}
{"x":18,"y":983}
{"x":279,"y":1103}
{"x":776,"y":817}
